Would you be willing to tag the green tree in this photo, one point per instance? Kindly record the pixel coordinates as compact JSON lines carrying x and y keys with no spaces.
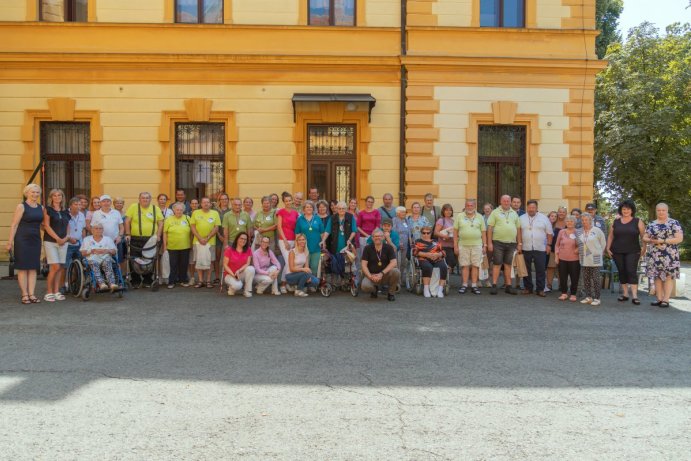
{"x":643,"y":122}
{"x":607,"y":14}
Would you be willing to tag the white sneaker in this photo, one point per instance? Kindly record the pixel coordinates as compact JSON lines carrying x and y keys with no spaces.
{"x":426,"y":292}
{"x":587,"y":300}
{"x":291,"y":288}
{"x":596,"y":302}
{"x":440,"y":292}
{"x":547,"y":289}
{"x":247,"y":294}
{"x":276,"y":292}
{"x":300,"y":293}
{"x":283,"y":290}
{"x":260,"y":291}
{"x":231,"y":292}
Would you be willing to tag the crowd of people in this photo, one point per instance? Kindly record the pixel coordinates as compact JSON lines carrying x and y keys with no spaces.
{"x":204,"y":244}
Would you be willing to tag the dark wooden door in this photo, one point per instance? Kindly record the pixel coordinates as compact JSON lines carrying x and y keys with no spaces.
{"x":331,"y":160}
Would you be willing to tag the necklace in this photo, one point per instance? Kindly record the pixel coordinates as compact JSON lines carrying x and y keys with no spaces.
{"x":378,"y":253}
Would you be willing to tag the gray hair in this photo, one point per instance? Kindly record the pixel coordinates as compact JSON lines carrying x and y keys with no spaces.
{"x":429,"y":195}
{"x":587,"y":216}
{"x":97,"y":225}
{"x":144,"y":194}
{"x":341,"y":203}
{"x":401,"y":208}
{"x":571,"y":218}
{"x":377,"y":231}
{"x":177,"y":205}
{"x":662,"y":205}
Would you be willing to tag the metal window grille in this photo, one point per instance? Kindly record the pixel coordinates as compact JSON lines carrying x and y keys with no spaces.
{"x":66,"y":153}
{"x":501,"y":161}
{"x":200,"y":159}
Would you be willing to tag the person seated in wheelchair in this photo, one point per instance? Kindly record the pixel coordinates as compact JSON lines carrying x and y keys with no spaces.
{"x":379,"y":266}
{"x":99,"y":250}
{"x":430,"y":255}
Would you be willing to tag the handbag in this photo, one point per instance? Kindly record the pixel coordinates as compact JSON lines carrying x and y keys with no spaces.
{"x":519,"y":264}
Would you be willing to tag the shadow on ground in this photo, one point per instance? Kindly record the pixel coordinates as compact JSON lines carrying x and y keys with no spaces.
{"x":461,"y":341}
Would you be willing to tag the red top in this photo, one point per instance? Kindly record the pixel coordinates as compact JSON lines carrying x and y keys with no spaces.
{"x":368,"y":220}
{"x":237,"y":259}
{"x":289,"y":219}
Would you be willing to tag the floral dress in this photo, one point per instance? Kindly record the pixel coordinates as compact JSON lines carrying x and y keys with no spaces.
{"x":663,"y":260}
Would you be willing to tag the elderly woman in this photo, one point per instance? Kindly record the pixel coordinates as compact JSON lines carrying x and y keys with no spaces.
{"x":417,"y":221}
{"x":265,"y":223}
{"x":430,"y":255}
{"x":664,"y":235}
{"x":99,"y":251}
{"x":299,"y":272}
{"x":267,"y":268}
{"x":286,"y":219}
{"x":25,"y":240}
{"x":567,"y":259}
{"x":624,"y":246}
{"x":591,"y":246}
{"x":339,"y":235}
{"x":309,"y":225}
{"x":323,"y":211}
{"x":237,"y":264}
{"x":55,"y":224}
{"x":443,"y":232}
{"x":177,"y":240}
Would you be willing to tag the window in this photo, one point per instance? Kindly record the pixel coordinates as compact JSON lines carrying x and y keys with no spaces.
{"x":331,"y":12}
{"x":501,"y":162}
{"x":200,"y":158}
{"x":502,"y":13}
{"x":66,"y":153}
{"x":199,"y":11}
{"x":63,"y":10}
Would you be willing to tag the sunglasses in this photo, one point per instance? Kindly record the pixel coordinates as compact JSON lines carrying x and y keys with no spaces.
{"x":426,"y":233}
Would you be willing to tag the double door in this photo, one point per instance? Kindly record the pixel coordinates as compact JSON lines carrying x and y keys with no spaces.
{"x":331,"y":161}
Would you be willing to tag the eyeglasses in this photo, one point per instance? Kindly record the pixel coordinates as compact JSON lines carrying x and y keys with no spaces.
{"x":426,"y":233}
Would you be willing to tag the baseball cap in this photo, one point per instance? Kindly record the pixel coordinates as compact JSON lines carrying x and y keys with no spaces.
{"x":106,"y":197}
{"x":590,"y":206}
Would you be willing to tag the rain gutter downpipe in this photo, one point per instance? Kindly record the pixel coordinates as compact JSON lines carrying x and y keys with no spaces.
{"x":404,"y":84}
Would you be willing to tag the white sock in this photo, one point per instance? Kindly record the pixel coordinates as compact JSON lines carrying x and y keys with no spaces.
{"x":440,"y":292}
{"x":474,"y":285}
{"x":426,"y":292}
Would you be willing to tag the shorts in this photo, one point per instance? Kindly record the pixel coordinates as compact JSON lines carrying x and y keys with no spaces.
{"x":470,"y":255}
{"x":193,"y":253}
{"x":503,"y":252}
{"x":55,"y":254}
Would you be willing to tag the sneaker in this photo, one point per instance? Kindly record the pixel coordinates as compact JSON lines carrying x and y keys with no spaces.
{"x":440,"y":292}
{"x":283,"y":290}
{"x":391,"y":297}
{"x":276,"y":292}
{"x":547,"y":289}
{"x":301,"y":293}
{"x":494,"y":290}
{"x":510,"y":290}
{"x":260,"y":291}
{"x":373,"y":295}
{"x":596,"y":302}
{"x":171,"y":286}
{"x":231,"y":292}
{"x":291,"y":288}
{"x":247,"y":294}
{"x":186,"y":284}
{"x":586,"y":300}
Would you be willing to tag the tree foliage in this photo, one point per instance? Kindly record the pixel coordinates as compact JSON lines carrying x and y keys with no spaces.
{"x":607,"y":14}
{"x":643,"y":122}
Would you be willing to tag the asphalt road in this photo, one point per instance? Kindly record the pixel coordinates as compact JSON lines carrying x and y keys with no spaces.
{"x":193,"y":374}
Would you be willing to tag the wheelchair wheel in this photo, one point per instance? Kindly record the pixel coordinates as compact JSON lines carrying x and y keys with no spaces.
{"x":326,"y":290}
{"x":447,"y":289}
{"x":155,"y":286}
{"x":75,"y":277}
{"x":86,"y":293}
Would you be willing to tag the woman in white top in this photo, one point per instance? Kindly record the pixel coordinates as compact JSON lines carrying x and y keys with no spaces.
{"x":591,"y":247}
{"x":299,"y":272}
{"x":99,"y":251}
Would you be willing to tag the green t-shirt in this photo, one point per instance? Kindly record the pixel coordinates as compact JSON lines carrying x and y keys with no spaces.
{"x":262,"y":220}
{"x":204,"y":223}
{"x":178,"y":232}
{"x":505,"y":225}
{"x":147,"y":215}
{"x":236,"y":224}
{"x":469,"y":229}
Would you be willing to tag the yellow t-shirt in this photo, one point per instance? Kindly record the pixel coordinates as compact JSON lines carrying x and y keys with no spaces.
{"x":178,"y":232}
{"x":205,"y":222}
{"x":147,"y":219}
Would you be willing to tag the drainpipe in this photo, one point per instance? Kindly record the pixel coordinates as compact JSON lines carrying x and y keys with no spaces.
{"x":404,"y":84}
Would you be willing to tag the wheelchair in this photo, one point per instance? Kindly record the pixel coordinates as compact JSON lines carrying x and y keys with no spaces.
{"x":413,"y":279}
{"x":82,"y":282}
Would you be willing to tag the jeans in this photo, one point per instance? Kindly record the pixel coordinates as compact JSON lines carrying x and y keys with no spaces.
{"x":72,"y":253}
{"x":537,"y":258}
{"x":301,"y":279}
{"x":179,"y":260}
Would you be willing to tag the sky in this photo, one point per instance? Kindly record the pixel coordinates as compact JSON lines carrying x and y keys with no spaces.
{"x":660,"y":12}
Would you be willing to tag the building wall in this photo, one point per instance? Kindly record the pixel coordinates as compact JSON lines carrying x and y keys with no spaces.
{"x":269,"y":12}
{"x":130,"y":116}
{"x":135,"y":11}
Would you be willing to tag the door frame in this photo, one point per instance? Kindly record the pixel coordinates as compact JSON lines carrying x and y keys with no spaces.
{"x":333,"y":162}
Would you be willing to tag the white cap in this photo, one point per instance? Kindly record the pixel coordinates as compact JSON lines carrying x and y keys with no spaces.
{"x":106,"y":197}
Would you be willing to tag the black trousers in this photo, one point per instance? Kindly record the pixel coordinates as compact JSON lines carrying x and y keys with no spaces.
{"x":428,"y":266}
{"x":627,"y":265}
{"x":570,"y":270}
{"x":179,"y":260}
{"x":537,"y":258}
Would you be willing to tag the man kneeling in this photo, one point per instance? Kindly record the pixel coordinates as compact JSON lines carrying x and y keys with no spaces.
{"x":379,"y":266}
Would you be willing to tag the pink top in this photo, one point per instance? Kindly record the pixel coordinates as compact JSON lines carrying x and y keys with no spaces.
{"x":368,"y":220}
{"x":566,"y":247}
{"x":289,"y":219}
{"x":236,"y":259}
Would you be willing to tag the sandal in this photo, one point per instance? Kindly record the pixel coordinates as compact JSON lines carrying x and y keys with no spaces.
{"x":664,"y":304}
{"x":563,"y":297}
{"x":34,"y":299}
{"x":463,"y":289}
{"x":209,"y":285}
{"x":25,"y":299}
{"x":622,"y":298}
{"x":636,"y":301}
{"x":49,"y":297}
{"x":476,"y":290}
{"x":198,"y":285}
{"x":573,"y":298}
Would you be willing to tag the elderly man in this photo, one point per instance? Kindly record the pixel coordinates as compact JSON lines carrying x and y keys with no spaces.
{"x":470,"y":243}
{"x":537,"y":242}
{"x":598,"y":221}
{"x":387,"y":210}
{"x":503,"y":239}
{"x":379,"y":267}
{"x":142,"y":221}
{"x":298,"y":197}
{"x":236,"y":221}
{"x":430,"y":210}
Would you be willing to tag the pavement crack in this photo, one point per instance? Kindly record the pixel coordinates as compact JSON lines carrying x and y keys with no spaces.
{"x":71,"y":371}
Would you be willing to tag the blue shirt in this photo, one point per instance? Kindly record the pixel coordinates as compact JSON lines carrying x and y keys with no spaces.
{"x":77,"y":225}
{"x":313,"y":231}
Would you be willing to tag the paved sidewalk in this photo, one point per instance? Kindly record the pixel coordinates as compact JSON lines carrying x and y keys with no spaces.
{"x":194,"y":374}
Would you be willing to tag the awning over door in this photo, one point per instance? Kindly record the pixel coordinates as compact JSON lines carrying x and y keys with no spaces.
{"x":335,"y":97}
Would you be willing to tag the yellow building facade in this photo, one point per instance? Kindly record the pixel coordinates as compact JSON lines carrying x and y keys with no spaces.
{"x":406,"y":97}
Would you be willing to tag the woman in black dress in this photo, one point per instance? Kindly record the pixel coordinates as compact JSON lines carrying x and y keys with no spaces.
{"x":25,"y":240}
{"x":624,"y":246}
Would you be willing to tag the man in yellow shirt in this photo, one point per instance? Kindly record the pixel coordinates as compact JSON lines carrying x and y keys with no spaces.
{"x":142,"y":221}
{"x":205,"y":223}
